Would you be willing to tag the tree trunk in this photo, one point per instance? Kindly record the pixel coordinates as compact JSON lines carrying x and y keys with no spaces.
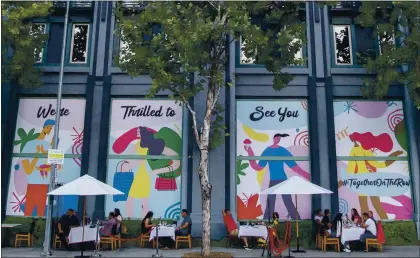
{"x":205,"y":202}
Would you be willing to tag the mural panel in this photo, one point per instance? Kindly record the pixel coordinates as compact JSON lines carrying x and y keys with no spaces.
{"x":145,"y":148}
{"x":272,"y":145}
{"x":373,"y":171}
{"x":30,"y":173}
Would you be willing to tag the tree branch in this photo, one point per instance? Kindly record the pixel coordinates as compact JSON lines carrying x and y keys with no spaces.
{"x":194,"y":120}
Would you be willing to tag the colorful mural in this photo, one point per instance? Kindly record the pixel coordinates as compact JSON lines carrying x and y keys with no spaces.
{"x":277,"y":133}
{"x":30,"y":173}
{"x":145,"y":148}
{"x":373,"y":130}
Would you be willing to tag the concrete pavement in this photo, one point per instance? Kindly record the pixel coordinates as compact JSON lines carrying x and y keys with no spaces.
{"x":389,"y":251}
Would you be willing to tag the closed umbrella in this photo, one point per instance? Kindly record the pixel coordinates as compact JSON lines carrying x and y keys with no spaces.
{"x":85,"y":186}
{"x":297,"y":186}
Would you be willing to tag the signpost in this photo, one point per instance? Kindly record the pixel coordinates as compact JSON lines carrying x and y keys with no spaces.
{"x":55,"y":156}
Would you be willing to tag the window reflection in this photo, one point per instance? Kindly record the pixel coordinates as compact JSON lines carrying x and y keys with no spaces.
{"x":79,"y":43}
{"x":37,"y":29}
{"x":343,"y":50}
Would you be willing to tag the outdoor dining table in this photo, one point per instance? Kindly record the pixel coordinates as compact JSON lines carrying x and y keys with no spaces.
{"x":75,"y":235}
{"x":8,"y":229}
{"x":164,"y":231}
{"x":253,"y":231}
{"x":351,"y":234}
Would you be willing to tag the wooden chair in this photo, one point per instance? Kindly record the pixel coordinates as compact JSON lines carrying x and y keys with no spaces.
{"x":330,"y":241}
{"x":379,"y":240}
{"x":184,"y":239}
{"x":26,"y":237}
{"x":374,"y":242}
{"x":144,"y":239}
{"x":106,"y":240}
{"x":57,"y":241}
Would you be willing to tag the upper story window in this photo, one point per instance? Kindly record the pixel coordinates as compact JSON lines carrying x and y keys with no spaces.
{"x":384,"y":40}
{"x":343,"y":51}
{"x":40,"y":28}
{"x":79,"y":44}
{"x":245,"y":60}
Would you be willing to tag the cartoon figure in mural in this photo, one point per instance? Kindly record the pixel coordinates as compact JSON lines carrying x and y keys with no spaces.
{"x":37,"y":183}
{"x":364,"y":144}
{"x":277,"y":173}
{"x":163,"y":142}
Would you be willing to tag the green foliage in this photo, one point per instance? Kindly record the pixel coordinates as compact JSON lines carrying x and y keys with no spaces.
{"x":21,"y":41}
{"x":25,"y":138}
{"x":240,"y":167}
{"x":193,"y":38}
{"x":399,"y":63}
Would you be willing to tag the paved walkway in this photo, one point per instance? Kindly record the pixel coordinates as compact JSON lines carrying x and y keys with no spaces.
{"x":389,"y":251}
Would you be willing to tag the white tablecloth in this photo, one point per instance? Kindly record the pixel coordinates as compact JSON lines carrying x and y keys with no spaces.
{"x":163,"y":232}
{"x":253,"y":231}
{"x":75,"y":235}
{"x":10,"y":225}
{"x":351,"y":234}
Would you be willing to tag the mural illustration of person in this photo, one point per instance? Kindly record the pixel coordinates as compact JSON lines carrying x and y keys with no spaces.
{"x":277,"y":173}
{"x":163,"y":142}
{"x":37,"y":187}
{"x":363,"y":145}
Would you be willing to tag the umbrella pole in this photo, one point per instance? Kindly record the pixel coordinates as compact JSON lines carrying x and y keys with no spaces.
{"x":83,"y":225}
{"x":297,"y":229}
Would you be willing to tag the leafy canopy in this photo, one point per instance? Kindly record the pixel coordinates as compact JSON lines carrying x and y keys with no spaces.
{"x":22,"y":41}
{"x":397,"y":24}
{"x":170,"y":41}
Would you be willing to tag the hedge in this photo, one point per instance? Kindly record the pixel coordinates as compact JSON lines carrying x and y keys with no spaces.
{"x":397,"y":233}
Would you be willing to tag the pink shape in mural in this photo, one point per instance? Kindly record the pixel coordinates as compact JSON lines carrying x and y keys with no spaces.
{"x":302,"y":138}
{"x":20,"y":178}
{"x":370,"y":109}
{"x":77,"y":145}
{"x":304,"y":104}
{"x":18,"y":203}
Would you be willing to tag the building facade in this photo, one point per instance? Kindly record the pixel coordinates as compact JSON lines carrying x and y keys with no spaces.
{"x":366,"y":152}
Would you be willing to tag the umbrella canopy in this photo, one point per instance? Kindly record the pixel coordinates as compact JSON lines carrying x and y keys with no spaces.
{"x":296,"y":185}
{"x":85,"y":185}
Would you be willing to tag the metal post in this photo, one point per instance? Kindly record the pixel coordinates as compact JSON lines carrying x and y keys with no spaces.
{"x":47,"y":239}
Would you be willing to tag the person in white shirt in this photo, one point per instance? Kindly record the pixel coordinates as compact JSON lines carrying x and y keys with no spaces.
{"x":370,"y":227}
{"x":318,"y":219}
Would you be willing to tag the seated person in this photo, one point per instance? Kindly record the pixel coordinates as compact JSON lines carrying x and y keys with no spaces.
{"x":182,"y":230}
{"x":110,"y":225}
{"x":318,"y":220}
{"x":371,"y":216}
{"x":146,"y":223}
{"x":66,"y":222}
{"x":325,"y":222}
{"x":232,"y":228}
{"x":355,"y":217}
{"x":336,"y":227}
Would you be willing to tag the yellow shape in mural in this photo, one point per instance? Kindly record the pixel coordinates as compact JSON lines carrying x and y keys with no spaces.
{"x":260,"y":176}
{"x":141,"y":184}
{"x":260,"y":137}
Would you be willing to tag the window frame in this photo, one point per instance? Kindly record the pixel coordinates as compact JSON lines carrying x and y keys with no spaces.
{"x":73,"y":25}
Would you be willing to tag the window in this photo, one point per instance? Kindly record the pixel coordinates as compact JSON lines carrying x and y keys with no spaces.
{"x":30,"y":173}
{"x":272,"y":145}
{"x":243,"y":58}
{"x":364,"y":44}
{"x":144,"y":157}
{"x":79,"y":44}
{"x":372,"y":162}
{"x":384,"y":40}
{"x":342,"y":45}
{"x":124,"y":49}
{"x":39,"y":28}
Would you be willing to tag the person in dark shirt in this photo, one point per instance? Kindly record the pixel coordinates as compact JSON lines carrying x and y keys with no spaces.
{"x":185,"y":224}
{"x":146,"y":223}
{"x":326,"y":222}
{"x":66,"y":222}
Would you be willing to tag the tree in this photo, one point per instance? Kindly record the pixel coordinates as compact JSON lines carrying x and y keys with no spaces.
{"x":183,"y":47}
{"x":22,"y":41}
{"x":397,"y":26}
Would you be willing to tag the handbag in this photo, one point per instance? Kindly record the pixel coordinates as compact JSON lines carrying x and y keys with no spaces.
{"x":168,"y":183}
{"x":122,"y":181}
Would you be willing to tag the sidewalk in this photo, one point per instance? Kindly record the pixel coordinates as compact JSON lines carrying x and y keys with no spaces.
{"x":389,"y":251}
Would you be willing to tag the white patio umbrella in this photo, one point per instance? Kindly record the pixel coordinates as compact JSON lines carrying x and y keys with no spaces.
{"x":85,"y":186}
{"x":297,"y":186}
